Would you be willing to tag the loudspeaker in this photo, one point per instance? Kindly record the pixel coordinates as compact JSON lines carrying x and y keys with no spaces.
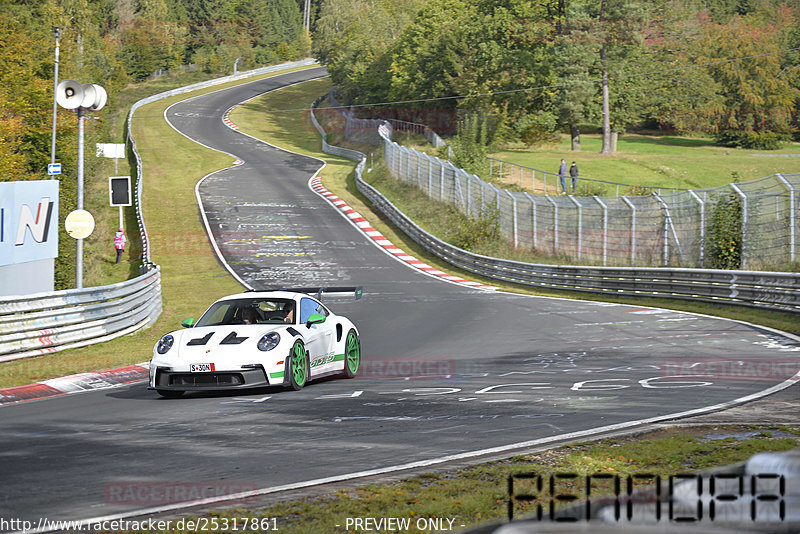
{"x":69,"y":94}
{"x":94,"y":97}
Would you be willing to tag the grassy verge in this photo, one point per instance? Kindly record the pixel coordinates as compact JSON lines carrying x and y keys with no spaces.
{"x":191,"y":275}
{"x":659,"y":161}
{"x":475,"y":495}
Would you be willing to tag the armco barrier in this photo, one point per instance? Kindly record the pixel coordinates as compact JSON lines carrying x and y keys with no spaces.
{"x":31,"y":325}
{"x":761,"y":289}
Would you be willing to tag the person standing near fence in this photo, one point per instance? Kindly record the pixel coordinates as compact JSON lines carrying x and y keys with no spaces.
{"x":573,"y":173}
{"x":562,"y":174}
{"x":119,"y":243}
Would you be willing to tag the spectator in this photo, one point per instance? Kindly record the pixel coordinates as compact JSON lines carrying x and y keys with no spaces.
{"x":562,"y":174}
{"x":119,"y":243}
{"x":573,"y":172}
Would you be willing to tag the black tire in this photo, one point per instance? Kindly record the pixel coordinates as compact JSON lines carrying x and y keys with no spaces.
{"x":170,"y":393}
{"x":297,"y":366}
{"x":352,"y":354}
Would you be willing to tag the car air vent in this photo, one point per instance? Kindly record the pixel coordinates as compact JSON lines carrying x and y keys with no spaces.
{"x":231,"y":339}
{"x":292,"y":331}
{"x":201,"y":340}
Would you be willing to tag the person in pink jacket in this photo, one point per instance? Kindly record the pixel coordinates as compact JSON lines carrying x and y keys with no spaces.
{"x":119,"y":243}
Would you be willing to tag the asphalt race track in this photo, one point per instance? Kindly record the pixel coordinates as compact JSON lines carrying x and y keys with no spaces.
{"x":448,"y":370}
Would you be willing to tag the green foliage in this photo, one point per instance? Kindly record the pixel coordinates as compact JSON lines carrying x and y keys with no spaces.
{"x":471,"y":233}
{"x":724,"y":233}
{"x":752,"y":140}
{"x":537,"y":128}
{"x":471,"y":144}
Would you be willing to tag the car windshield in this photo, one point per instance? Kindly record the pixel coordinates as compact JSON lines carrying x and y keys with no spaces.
{"x":249,"y":311}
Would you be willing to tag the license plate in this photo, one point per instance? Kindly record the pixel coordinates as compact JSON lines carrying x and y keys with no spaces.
{"x":201,"y":368}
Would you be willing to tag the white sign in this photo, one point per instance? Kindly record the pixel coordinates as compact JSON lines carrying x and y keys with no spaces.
{"x":53,"y":168}
{"x":28,"y":221}
{"x":111,"y":150}
{"x":79,"y":224}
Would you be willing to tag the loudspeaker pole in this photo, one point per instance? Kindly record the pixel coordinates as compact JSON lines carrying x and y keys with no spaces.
{"x":79,"y":251}
{"x":57,"y":31}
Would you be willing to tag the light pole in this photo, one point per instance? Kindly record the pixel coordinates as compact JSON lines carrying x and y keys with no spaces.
{"x":72,"y":95}
{"x":57,"y":31}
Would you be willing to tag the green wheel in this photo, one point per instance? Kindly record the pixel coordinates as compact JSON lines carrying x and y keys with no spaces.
{"x":297,"y":366}
{"x":352,"y":354}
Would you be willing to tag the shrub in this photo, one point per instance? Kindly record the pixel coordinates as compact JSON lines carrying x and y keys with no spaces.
{"x":752,"y":140}
{"x":724,"y":233}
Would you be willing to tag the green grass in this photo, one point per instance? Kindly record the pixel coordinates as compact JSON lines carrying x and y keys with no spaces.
{"x":657,"y":161}
{"x":192,"y":277}
{"x":475,"y":495}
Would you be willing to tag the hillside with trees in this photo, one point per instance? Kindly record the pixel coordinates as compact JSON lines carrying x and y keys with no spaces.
{"x":115,"y":43}
{"x":728,"y":68}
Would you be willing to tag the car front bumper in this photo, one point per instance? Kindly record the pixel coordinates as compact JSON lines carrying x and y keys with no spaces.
{"x":166,"y":379}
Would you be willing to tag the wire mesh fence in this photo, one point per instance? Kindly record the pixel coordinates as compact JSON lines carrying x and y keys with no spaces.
{"x":750,"y":225}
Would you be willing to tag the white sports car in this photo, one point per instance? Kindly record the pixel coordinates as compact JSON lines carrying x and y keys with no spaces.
{"x":258,"y":339}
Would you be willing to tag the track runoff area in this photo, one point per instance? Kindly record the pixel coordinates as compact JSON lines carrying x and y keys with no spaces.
{"x":450,"y":373}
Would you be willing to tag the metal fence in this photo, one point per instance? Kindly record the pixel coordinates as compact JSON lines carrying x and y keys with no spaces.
{"x":32,"y":325}
{"x":771,"y":290}
{"x":669,"y":229}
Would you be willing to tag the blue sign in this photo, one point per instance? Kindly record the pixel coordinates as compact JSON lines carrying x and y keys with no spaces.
{"x":28,"y":221}
{"x":53,"y":168}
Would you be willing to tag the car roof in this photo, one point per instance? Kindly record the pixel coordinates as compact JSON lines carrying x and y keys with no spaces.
{"x":266,"y":295}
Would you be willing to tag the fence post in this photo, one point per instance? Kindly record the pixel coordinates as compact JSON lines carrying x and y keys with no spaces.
{"x":579,"y":236}
{"x":430,"y":178}
{"x":702,"y":206}
{"x":535,"y":242}
{"x":633,"y":228}
{"x":441,"y":183}
{"x":533,"y":180}
{"x":555,"y":223}
{"x":605,"y":229}
{"x":744,"y":224}
{"x":469,"y":195}
{"x":792,"y":217}
{"x":419,"y":168}
{"x":668,"y":225}
{"x":514,"y":228}
{"x":490,"y":167}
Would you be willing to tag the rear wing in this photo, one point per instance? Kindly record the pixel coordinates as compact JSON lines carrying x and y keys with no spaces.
{"x":333,"y":291}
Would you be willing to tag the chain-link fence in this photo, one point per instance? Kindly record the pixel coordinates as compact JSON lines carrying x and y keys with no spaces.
{"x":751,"y":225}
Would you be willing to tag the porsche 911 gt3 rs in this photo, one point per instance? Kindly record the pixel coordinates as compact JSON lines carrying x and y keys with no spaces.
{"x":258,"y":339}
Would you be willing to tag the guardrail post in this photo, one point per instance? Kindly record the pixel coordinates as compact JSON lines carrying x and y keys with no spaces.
{"x":533,"y":180}
{"x":702,"y":206}
{"x":555,"y":223}
{"x":633,"y":228}
{"x":514,"y":218}
{"x":605,"y":229}
{"x":535,"y":243}
{"x":579,"y":236}
{"x":744,"y":224}
{"x":792,"y":217}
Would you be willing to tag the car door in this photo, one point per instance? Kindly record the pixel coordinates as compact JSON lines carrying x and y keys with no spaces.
{"x":318,"y":336}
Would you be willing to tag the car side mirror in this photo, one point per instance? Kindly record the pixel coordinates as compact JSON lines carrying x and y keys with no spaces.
{"x":187,"y":323}
{"x":315,"y":318}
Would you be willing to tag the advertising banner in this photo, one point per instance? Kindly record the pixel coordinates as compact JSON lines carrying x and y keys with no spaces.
{"x":28,"y":221}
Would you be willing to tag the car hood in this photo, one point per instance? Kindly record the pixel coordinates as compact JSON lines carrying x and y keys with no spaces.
{"x":205,"y":338}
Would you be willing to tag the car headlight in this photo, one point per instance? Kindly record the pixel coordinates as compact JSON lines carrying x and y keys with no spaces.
{"x":164,"y":344}
{"x":269,"y":341}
